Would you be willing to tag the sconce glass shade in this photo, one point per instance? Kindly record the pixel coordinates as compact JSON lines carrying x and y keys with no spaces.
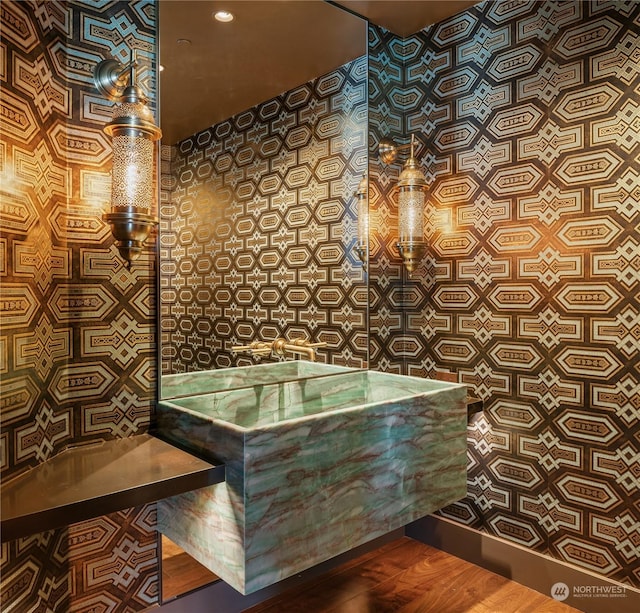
{"x":133,"y":133}
{"x":411,"y":185}
{"x":362,"y":199}
{"x":410,"y":207}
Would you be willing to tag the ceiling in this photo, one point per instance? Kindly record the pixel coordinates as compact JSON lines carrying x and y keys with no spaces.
{"x":405,"y":17}
{"x":215,"y":70}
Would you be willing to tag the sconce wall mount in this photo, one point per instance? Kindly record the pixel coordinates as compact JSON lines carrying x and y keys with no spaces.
{"x":133,"y":133}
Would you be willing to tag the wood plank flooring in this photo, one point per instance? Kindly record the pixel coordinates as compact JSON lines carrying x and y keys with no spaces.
{"x":406,"y":576}
{"x":180,"y":572}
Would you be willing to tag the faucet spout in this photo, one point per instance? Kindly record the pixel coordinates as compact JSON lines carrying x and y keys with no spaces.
{"x":299,"y":346}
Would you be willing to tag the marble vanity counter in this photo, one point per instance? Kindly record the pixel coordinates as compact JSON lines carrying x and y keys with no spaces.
{"x":314,"y":468}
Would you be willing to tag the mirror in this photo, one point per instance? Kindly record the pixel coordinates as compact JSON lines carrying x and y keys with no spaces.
{"x":264,"y":124}
{"x":258,"y":219}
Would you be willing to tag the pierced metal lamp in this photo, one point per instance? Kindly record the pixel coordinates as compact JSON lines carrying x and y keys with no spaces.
{"x":133,"y":133}
{"x":411,"y":184}
{"x":362,"y":199}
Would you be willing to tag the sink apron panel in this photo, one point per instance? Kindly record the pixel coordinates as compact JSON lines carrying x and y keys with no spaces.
{"x":208,"y":523}
{"x":311,"y":488}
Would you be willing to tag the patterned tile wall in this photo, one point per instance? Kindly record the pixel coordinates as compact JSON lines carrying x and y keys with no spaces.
{"x":77,"y":346}
{"x":257,"y":237}
{"x":530,"y":112}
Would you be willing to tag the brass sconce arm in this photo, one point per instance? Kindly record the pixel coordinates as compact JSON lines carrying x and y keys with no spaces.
{"x":388,"y":149}
{"x":111,"y":77}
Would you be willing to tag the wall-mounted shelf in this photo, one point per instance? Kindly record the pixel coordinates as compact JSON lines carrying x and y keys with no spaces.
{"x":99,"y":478}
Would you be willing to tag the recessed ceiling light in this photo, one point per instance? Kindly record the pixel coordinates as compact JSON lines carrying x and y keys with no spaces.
{"x":224,"y":16}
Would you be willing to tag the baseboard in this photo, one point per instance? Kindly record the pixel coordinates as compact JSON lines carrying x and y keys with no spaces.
{"x":584,"y":590}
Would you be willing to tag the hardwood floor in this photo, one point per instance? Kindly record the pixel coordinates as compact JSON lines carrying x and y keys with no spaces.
{"x":406,"y":576}
{"x":180,"y":572}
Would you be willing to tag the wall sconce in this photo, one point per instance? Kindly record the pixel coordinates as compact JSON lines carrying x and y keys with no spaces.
{"x":362,"y":199}
{"x":411,"y":184}
{"x":133,"y":132}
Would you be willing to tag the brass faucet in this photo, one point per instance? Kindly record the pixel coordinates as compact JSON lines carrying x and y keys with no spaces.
{"x":301,"y":346}
{"x":281,"y":346}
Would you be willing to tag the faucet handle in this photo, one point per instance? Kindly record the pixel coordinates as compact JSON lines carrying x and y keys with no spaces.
{"x":254,"y":348}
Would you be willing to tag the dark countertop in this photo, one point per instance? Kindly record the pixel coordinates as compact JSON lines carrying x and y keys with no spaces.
{"x":474,"y":405}
{"x":99,"y":478}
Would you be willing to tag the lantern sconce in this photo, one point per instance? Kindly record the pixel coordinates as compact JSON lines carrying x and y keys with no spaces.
{"x":412,"y":185}
{"x":133,"y":133}
{"x":362,"y":210}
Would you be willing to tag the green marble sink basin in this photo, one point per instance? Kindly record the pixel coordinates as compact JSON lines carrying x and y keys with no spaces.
{"x":314,"y":467}
{"x":208,"y":381}
{"x":263,"y":405}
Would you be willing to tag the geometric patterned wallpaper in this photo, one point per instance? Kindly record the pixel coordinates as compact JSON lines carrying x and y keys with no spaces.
{"x":258,"y":224}
{"x":530,"y":290}
{"x":77,"y":340}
